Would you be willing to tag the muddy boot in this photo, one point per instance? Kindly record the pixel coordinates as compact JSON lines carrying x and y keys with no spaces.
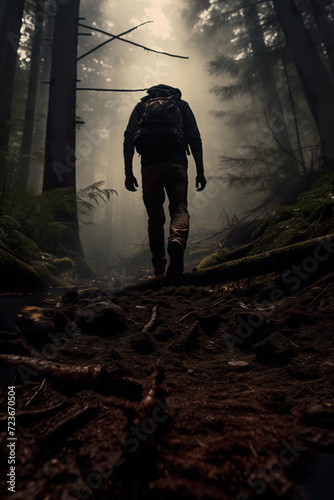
{"x":175,"y":268}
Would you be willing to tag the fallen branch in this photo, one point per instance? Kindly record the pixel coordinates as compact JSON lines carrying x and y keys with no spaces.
{"x":152,"y":321}
{"x":74,"y":378}
{"x":275,"y":261}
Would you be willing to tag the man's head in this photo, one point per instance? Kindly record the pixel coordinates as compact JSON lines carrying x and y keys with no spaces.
{"x":162,"y":90}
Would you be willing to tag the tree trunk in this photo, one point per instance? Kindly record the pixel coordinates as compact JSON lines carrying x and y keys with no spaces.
{"x":318,"y":89}
{"x":271,"y":101}
{"x":326,"y":28}
{"x":59,"y":170}
{"x":59,"y":166}
{"x":2,"y":14}
{"x":29,"y":119}
{"x":9,"y":43}
{"x":37,"y":167}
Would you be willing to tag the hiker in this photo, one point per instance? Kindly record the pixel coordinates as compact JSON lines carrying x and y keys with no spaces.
{"x":161,"y":127}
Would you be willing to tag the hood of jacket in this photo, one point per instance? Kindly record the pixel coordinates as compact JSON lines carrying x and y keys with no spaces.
{"x":162,"y":91}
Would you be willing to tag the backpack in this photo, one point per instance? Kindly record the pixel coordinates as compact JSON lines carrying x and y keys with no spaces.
{"x":160,"y":126}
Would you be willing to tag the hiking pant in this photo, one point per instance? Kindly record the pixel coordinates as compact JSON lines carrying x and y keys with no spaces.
{"x":173,"y":178}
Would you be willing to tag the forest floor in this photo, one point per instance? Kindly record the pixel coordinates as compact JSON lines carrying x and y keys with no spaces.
{"x":189,"y":392}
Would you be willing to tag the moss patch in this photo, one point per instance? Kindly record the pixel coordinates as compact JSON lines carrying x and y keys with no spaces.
{"x":310,"y":217}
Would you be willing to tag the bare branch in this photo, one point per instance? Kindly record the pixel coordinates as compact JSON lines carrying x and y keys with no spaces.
{"x":105,"y":33}
{"x":127,"y":41}
{"x":112,"y":90}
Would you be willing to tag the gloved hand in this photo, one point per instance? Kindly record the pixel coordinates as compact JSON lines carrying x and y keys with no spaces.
{"x":200,"y":181}
{"x":131,"y":183}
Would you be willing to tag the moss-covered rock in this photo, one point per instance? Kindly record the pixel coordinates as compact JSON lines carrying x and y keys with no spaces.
{"x":15,"y":274}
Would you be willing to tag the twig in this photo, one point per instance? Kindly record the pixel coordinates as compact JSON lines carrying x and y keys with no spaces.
{"x":36,"y":413}
{"x":209,"y":236}
{"x":207,"y":308}
{"x":253,"y":450}
{"x":127,"y":41}
{"x":320,"y":295}
{"x":152,"y":321}
{"x":35,"y":393}
{"x":186,"y":316}
{"x":107,"y":41}
{"x":331,"y":275}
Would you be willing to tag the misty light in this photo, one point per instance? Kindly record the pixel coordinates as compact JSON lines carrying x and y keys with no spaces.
{"x":160,"y":27}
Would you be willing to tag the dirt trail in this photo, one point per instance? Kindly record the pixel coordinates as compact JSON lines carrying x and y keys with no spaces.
{"x":225,"y":394}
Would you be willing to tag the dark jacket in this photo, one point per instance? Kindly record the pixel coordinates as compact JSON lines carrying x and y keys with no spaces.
{"x":190,"y":129}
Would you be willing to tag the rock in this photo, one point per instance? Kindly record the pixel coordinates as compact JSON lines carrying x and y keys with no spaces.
{"x":251,"y":329}
{"x":186,"y":342}
{"x":142,"y":344}
{"x":32,"y":321}
{"x":275,"y":349}
{"x":164,"y":334}
{"x":185,"y":291}
{"x":224,"y":310}
{"x":298,"y":317}
{"x":88,"y":293}
{"x":209,"y":322}
{"x":101,"y":318}
{"x":58,"y":317}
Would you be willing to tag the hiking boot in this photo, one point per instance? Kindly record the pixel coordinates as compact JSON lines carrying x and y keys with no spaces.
{"x":159,"y":270}
{"x":159,"y":266}
{"x":175,"y":268}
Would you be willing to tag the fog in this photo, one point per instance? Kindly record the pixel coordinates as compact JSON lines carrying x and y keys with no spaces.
{"x":119,"y":227}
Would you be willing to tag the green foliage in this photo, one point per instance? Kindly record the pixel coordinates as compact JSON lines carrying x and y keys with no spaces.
{"x":271,"y":175}
{"x":259,"y":83}
{"x":32,"y":227}
{"x":217,"y":257}
{"x":15,"y":274}
{"x":88,"y":198}
{"x":36,"y":215}
{"x":311,"y":216}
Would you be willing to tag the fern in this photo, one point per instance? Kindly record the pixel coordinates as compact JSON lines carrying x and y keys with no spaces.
{"x":95,"y":194}
{"x":89,"y":198}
